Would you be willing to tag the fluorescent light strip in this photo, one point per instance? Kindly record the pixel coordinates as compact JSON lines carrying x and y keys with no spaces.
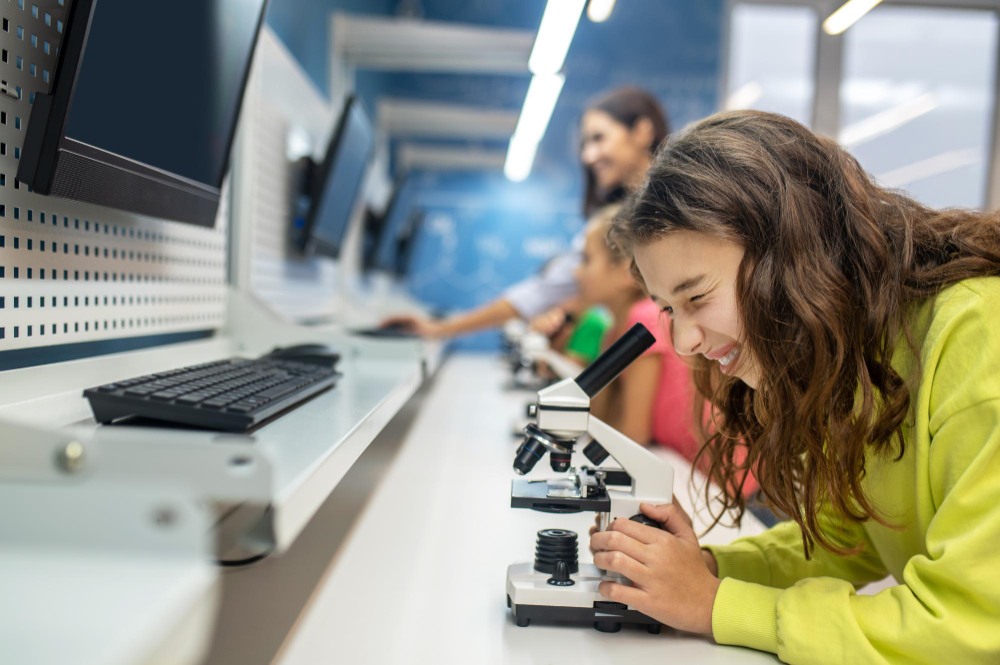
{"x":555,"y":33}
{"x":543,"y":93}
{"x":847,"y":15}
{"x":520,"y":158}
{"x":886,"y":121}
{"x":744,"y":96}
{"x":598,"y":11}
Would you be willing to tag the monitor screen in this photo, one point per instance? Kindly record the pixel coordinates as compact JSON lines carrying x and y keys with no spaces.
{"x":376,"y":227}
{"x":143,"y":105}
{"x":396,"y":218}
{"x":347,"y":157}
{"x":160,"y":82}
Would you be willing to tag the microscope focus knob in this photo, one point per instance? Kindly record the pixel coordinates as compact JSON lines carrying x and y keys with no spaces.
{"x":532,"y":410}
{"x":643,"y":519}
{"x":560,"y":576}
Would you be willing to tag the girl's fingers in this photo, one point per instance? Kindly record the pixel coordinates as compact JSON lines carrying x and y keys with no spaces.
{"x":673,"y":518}
{"x":616,"y":541}
{"x":644,"y":534}
{"x":620,"y":593}
{"x":621,"y":563}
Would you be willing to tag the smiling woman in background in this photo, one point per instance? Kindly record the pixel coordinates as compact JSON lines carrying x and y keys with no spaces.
{"x":848,"y":336}
{"x":619,"y":134}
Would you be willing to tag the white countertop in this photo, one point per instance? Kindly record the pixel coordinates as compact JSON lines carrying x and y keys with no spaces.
{"x":421,"y":578}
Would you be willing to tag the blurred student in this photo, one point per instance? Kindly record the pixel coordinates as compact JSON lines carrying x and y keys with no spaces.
{"x":619,"y":134}
{"x":652,"y":400}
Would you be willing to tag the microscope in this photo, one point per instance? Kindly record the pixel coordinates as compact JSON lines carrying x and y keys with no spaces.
{"x":556,"y":586}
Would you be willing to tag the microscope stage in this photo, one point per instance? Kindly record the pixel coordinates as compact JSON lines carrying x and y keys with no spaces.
{"x":555,"y":496}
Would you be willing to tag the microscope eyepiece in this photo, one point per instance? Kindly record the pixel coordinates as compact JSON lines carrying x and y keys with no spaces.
{"x":613,"y":362}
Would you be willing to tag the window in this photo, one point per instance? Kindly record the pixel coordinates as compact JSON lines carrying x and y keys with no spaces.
{"x":917,"y":99}
{"x":772,"y":54}
{"x":910,"y":89}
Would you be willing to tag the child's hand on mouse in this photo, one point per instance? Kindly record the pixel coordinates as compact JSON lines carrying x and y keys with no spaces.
{"x":417,"y":325}
{"x":672,"y":580}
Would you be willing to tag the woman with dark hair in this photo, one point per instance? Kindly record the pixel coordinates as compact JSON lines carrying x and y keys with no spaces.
{"x":620,"y":132}
{"x":848,"y":337}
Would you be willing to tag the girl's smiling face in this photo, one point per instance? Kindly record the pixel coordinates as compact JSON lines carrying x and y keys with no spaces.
{"x":692,"y":277}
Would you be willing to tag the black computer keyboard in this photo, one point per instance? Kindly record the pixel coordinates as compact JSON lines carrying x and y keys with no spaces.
{"x":232,"y":395}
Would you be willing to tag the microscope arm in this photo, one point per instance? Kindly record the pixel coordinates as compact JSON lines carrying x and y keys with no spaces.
{"x":652,"y":476}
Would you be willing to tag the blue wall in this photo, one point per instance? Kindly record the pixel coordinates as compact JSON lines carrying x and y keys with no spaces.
{"x":482,"y":233}
{"x":304,"y":27}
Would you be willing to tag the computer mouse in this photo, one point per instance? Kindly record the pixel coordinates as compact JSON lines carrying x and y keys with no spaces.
{"x":316,"y":354}
{"x":392,"y":331}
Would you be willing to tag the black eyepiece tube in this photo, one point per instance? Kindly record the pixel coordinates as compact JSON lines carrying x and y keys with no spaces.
{"x":613,"y":362}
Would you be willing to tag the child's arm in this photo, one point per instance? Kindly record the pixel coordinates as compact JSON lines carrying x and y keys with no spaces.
{"x":776,"y":558}
{"x":946,"y":610}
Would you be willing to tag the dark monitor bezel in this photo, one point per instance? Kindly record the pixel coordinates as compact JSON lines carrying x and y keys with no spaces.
{"x":405,"y":246}
{"x":309,"y":242}
{"x":369,"y":262}
{"x":47,"y":153}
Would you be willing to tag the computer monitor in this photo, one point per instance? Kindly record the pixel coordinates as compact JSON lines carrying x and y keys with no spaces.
{"x":143,"y":105}
{"x":395,"y":219}
{"x":407,"y":242}
{"x":338,"y":181}
{"x":376,"y":227}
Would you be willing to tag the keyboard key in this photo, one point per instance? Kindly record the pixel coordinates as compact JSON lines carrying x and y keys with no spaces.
{"x":215,"y":403}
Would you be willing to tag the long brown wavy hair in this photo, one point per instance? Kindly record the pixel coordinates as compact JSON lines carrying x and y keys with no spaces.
{"x":832,"y":264}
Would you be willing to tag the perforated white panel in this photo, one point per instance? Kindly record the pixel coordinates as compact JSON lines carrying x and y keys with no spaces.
{"x":72,"y":272}
{"x":279,"y":97}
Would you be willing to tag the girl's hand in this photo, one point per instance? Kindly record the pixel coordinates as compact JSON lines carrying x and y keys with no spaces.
{"x":671,"y":579}
{"x":548,"y":323}
{"x":417,"y":325}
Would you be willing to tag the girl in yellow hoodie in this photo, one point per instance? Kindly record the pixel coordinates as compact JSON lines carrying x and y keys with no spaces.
{"x":849,"y":338}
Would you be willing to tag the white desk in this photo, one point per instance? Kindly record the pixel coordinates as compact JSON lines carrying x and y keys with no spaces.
{"x":421,"y":579}
{"x":161,"y":608}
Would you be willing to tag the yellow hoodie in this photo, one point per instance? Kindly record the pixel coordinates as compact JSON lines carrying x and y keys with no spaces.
{"x":944,"y":494}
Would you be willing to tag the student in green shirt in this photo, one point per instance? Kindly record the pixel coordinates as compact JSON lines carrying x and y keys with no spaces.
{"x":584,"y":344}
{"x":849,"y":337}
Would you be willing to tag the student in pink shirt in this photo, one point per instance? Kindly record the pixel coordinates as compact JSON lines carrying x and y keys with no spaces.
{"x":653,"y":400}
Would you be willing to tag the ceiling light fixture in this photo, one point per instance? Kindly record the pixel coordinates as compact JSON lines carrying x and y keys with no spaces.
{"x":847,"y":15}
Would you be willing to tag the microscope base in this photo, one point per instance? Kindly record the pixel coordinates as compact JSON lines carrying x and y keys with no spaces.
{"x":530,"y":596}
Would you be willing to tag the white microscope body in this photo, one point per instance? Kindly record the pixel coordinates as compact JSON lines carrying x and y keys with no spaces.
{"x":555,"y":586}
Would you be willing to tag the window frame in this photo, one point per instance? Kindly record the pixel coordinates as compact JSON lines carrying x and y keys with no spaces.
{"x":828,"y":71}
